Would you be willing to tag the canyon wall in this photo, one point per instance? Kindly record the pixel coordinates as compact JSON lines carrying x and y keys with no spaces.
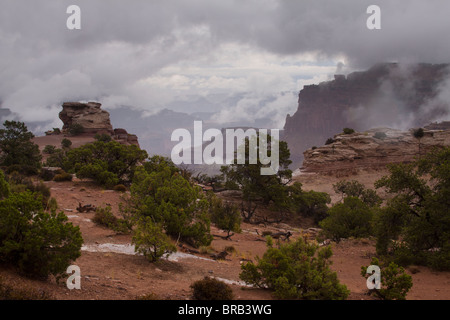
{"x":388,"y":95}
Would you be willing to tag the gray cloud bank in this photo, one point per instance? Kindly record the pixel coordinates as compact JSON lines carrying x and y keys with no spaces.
{"x":150,"y":54}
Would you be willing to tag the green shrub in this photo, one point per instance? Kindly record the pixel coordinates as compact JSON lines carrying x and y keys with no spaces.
{"x":348,"y":131}
{"x":39,"y":243}
{"x":46,"y":175}
{"x":296,"y":270}
{"x":49,"y":149}
{"x":352,"y":218}
{"x":172,"y":202}
{"x":103,"y":137}
{"x":330,"y":141}
{"x":66,"y":143}
{"x":107,"y":163}
{"x":18,"y":148}
{"x":151,"y":241}
{"x":63,"y":177}
{"x":225,"y":216}
{"x":309,"y":203}
{"x":355,"y":189}
{"x":120,"y":188}
{"x":417,"y":213}
{"x":211,"y":289}
{"x":105,"y":217}
{"x":52,"y":205}
{"x":418,"y":133}
{"x":19,"y":183}
{"x":23,"y":169}
{"x":4,"y":186}
{"x":76,"y":129}
{"x":395,"y":283}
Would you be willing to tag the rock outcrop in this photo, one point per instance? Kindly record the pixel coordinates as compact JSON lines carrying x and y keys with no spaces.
{"x":89,"y":115}
{"x":372,"y":149}
{"x":94,"y":120}
{"x":385,"y":93}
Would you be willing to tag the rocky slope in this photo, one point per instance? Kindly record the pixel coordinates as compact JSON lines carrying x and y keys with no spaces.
{"x":363,"y":150}
{"x":385,"y":95}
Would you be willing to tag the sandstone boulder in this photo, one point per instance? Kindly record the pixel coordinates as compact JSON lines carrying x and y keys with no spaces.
{"x":89,"y":115}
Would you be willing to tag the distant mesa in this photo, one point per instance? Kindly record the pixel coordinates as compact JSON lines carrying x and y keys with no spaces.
{"x":385,"y":95}
{"x":94,"y":120}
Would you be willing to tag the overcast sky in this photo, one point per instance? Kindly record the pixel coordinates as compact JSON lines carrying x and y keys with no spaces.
{"x":254,"y":55}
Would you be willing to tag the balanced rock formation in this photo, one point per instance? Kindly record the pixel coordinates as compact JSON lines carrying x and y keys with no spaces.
{"x":94,"y":121}
{"x":384,"y":95}
{"x":89,"y":115}
{"x":372,"y":149}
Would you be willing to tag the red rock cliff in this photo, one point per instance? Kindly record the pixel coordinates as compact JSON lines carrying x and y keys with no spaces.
{"x":325,"y":109}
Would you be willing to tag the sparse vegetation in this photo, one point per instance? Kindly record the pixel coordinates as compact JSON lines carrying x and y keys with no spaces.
{"x":330,"y":141}
{"x":12,"y":293}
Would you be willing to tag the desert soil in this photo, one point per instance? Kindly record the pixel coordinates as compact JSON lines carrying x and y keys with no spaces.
{"x":110,"y":275}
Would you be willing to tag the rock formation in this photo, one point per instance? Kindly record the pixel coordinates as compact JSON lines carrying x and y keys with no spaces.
{"x":359,"y":101}
{"x":372,"y":150}
{"x":89,"y":115}
{"x":94,"y":120}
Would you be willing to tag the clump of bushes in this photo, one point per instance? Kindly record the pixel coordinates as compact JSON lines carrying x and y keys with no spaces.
{"x":66,"y":143}
{"x":296,"y":270}
{"x":211,"y":289}
{"x":330,"y":141}
{"x":63,"y":176}
{"x":151,"y":241}
{"x":225,"y":215}
{"x":105,"y":217}
{"x":49,"y":149}
{"x":46,"y":175}
{"x":352,"y":218}
{"x":309,"y":203}
{"x":103,"y":137}
{"x":120,"y":188}
{"x":76,"y":129}
{"x":348,"y":130}
{"x":395,"y":283}
{"x":23,"y":169}
{"x":40,"y":243}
